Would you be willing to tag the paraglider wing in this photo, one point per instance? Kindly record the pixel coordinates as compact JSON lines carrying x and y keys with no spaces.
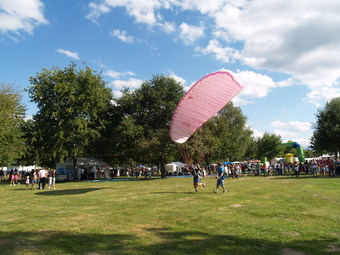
{"x":205,"y":98}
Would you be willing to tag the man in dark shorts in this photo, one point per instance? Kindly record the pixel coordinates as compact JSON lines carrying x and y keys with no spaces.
{"x":220,"y":178}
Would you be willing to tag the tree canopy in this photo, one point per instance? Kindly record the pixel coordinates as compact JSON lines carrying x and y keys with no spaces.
{"x":148,"y":110}
{"x":326,"y":136}
{"x":12,"y":114}
{"x":71,"y":103}
{"x":77,"y":115}
{"x":269,"y":146}
{"x":224,"y":137}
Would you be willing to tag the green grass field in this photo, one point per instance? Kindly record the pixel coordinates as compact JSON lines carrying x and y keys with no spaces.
{"x":258,"y":215}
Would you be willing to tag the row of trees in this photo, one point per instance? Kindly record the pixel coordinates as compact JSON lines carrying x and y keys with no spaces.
{"x":78,"y":116}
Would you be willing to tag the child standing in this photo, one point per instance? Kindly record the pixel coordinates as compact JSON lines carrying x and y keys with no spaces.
{"x":16,"y":177}
{"x":27,"y":182}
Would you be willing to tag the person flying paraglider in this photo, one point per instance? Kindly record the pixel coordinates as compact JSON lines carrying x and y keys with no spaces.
{"x":220,"y":177}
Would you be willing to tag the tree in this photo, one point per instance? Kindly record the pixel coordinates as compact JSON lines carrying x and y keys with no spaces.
{"x":326,"y":136}
{"x":309,"y":153}
{"x":201,"y":146}
{"x":150,"y":108}
{"x":233,"y":133}
{"x":12,"y":114}
{"x":71,"y":103}
{"x":224,"y":137}
{"x":30,"y":156}
{"x":251,"y":149}
{"x":269,"y":146}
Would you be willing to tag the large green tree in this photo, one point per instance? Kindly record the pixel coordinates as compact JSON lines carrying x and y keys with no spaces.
{"x":71,"y":104}
{"x":12,"y":114}
{"x":224,"y":137}
{"x":201,"y":146}
{"x":326,"y":136}
{"x":269,"y":146}
{"x":149,"y":110}
{"x":235,"y":136}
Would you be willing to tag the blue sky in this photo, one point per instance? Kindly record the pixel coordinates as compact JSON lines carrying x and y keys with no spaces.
{"x":285,"y":53}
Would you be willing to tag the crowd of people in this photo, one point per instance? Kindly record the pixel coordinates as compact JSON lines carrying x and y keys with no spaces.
{"x":325,"y":167}
{"x":92,"y":173}
{"x":31,"y":179}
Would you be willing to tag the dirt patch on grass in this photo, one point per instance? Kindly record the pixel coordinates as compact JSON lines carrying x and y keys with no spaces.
{"x":185,"y":199}
{"x":236,"y":205}
{"x":333,"y":248}
{"x":291,"y":233}
{"x":288,"y":251}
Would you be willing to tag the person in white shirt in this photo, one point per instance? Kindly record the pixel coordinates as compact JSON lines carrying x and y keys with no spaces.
{"x":42,"y":178}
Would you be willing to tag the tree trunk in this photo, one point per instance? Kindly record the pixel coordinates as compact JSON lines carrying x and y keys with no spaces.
{"x":161,"y":162}
{"x":74,"y":168}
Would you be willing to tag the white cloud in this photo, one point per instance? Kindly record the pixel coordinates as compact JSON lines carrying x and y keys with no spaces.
{"x":68,"y":53}
{"x":294,"y":126}
{"x":304,"y":142}
{"x":177,"y":78}
{"x":223,"y":54}
{"x":318,"y":93}
{"x":293,"y":131}
{"x":117,"y":93}
{"x":122,"y":35}
{"x":255,"y":86}
{"x":298,"y":38}
{"x":204,"y":6}
{"x":256,"y":133}
{"x":168,"y":27}
{"x":141,"y":11}
{"x":189,"y":34}
{"x":131,"y":83}
{"x":115,"y":75}
{"x":21,"y":15}
{"x":112,"y":74}
{"x":96,"y":10}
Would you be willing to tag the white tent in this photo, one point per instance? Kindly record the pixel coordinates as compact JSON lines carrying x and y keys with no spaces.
{"x":66,"y":167}
{"x":20,"y":168}
{"x":174,"y":166}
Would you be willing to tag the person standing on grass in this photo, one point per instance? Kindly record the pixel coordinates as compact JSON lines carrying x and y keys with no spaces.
{"x":1,"y":175}
{"x":27,"y":181}
{"x":34,"y":179}
{"x":296,"y":171}
{"x":51,"y":178}
{"x":42,"y":178}
{"x":337,"y":170}
{"x":220,"y":178}
{"x":331,"y":169}
{"x":197,"y":177}
{"x":15,"y":177}
{"x":11,"y":178}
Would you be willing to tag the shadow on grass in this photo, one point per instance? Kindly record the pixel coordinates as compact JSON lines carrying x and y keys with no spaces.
{"x":200,"y":193}
{"x":167,"y":242}
{"x":301,"y":177}
{"x":123,"y":179}
{"x":65,"y":192}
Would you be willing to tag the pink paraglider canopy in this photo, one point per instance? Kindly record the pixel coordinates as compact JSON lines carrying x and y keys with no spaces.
{"x":205,"y":98}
